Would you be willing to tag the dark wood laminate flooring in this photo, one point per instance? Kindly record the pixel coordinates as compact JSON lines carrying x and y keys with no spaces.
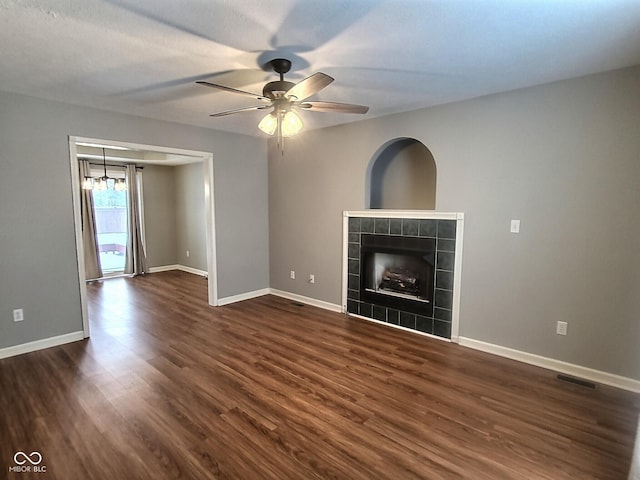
{"x":168,"y":387}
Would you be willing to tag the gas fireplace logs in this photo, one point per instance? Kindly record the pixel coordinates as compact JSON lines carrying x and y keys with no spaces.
{"x":399,"y":280}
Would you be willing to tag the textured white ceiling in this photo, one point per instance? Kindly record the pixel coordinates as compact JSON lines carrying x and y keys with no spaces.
{"x":143,"y":56}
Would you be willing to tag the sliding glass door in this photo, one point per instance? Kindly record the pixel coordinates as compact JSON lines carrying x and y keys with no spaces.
{"x":112,"y":220}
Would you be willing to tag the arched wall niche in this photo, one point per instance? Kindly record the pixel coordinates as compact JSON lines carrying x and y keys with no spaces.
{"x":401,"y":175}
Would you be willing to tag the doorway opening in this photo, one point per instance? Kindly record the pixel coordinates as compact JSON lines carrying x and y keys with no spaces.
{"x":111,"y":215}
{"x":110,"y":232}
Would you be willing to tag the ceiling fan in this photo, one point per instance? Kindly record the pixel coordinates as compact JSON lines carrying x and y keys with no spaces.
{"x":285,"y":98}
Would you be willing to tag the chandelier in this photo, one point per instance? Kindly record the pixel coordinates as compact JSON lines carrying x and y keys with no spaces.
{"x":102,"y":183}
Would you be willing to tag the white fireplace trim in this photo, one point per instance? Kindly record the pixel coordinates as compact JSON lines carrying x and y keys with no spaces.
{"x":418,"y":214}
{"x":414,"y":214}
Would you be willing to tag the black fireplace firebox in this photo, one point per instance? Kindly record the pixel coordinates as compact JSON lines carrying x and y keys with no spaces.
{"x":398,"y":272}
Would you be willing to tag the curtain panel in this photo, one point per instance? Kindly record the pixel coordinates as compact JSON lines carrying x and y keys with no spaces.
{"x":92,"y":267}
{"x":136,"y":257}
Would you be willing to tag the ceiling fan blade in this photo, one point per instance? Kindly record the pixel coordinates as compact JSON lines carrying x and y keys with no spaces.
{"x":310,"y":85}
{"x":334,"y":107}
{"x":238,"y":110}
{"x":233,"y":90}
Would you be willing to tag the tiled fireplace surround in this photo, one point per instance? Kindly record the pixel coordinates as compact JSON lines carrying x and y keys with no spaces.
{"x":446,"y":229}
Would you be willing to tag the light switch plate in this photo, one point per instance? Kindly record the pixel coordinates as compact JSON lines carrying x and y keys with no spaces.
{"x":515,"y":226}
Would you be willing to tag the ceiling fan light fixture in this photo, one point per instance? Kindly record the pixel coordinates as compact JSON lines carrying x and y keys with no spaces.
{"x":283,"y":96}
{"x":269,"y":124}
{"x":291,"y":124}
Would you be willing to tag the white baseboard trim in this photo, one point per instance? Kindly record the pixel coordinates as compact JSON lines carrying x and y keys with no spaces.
{"x":166,"y":268}
{"x":586,"y":373}
{"x":163,"y":268}
{"x":41,"y":344}
{"x":195,"y":271}
{"x":280,"y":293}
{"x":242,"y":296}
{"x":306,"y":300}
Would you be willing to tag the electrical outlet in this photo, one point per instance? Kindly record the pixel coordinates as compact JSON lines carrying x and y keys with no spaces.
{"x":561,"y":328}
{"x":18,"y":315}
{"x":187,"y":253}
{"x":293,"y":274}
{"x":312,"y":278}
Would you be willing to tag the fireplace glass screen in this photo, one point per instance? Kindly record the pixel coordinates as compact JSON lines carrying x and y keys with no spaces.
{"x":403,"y":276}
{"x":398,"y":272}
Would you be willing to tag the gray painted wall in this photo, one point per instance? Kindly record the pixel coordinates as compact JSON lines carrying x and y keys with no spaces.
{"x":562,"y":158}
{"x":175,"y":215}
{"x":38,"y":267}
{"x":159,"y":186}
{"x":190,"y":221}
